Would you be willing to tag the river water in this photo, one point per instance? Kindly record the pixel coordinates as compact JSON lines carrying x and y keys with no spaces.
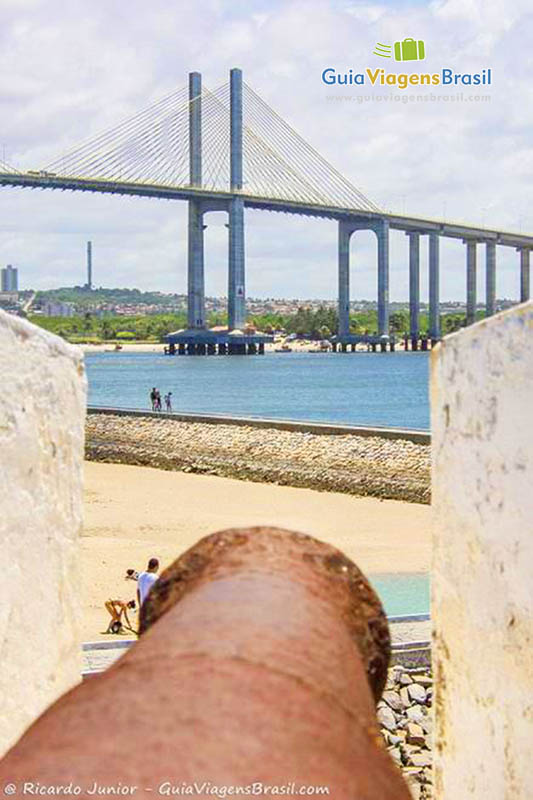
{"x":385,"y":389}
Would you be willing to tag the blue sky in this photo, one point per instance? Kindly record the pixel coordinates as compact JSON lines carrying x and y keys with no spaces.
{"x":67,"y":72}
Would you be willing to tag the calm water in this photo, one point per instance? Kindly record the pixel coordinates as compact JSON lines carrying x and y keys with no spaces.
{"x":389,"y":389}
{"x":403,"y":594}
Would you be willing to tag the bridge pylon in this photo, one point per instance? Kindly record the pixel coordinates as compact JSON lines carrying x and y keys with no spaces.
{"x":197,"y":339}
{"x":196,"y":316}
{"x":236,"y":257}
{"x":195,"y":253}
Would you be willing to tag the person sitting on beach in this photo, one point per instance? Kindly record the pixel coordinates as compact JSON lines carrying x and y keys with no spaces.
{"x":168,"y":401}
{"x":146,"y":580}
{"x":119,"y":609}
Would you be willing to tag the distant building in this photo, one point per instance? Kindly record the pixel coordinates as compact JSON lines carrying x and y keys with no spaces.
{"x":8,"y":299}
{"x":10,"y":279}
{"x":57,"y":309}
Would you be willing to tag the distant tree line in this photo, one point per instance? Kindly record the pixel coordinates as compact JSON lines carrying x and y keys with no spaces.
{"x":83,"y":297}
{"x":320,"y":323}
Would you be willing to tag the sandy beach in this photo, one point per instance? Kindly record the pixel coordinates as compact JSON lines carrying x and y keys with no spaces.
{"x":297,"y":346}
{"x":133,"y":513}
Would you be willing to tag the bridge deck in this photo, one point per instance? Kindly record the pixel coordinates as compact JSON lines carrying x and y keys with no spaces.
{"x":219,"y":199}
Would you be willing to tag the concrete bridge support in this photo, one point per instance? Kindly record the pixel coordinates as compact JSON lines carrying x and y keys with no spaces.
{"x":524,"y":274}
{"x":382,"y":232}
{"x":381,"y":229}
{"x":345,"y":233}
{"x":197,"y":208}
{"x":196,"y":287}
{"x":195,"y":269}
{"x":471,"y":281}
{"x":414,"y":288}
{"x":490,"y":278}
{"x":236,"y":271}
{"x":434,"y":309}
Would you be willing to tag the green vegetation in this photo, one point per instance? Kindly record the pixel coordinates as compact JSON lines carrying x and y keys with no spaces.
{"x":319,"y":324}
{"x":90,"y":328}
{"x":84,"y":298}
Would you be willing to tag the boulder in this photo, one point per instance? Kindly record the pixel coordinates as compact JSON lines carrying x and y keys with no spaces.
{"x":423,"y":680}
{"x":426,"y":724}
{"x":421,"y":759}
{"x":396,"y":756}
{"x":416,"y":714}
{"x":386,"y":718}
{"x":417,"y":693}
{"x":404,"y":695}
{"x":393,"y":700}
{"x":415,"y":734}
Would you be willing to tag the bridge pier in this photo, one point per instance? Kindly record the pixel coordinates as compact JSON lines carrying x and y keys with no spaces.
{"x":471,"y":280}
{"x":236,"y":266}
{"x":524,"y":274}
{"x":236,"y":258}
{"x":345,"y":233}
{"x":414,"y":287}
{"x":490,"y":278}
{"x":195,"y":266}
{"x":195,"y":281}
{"x":346,"y":229}
{"x":434,"y":285}
{"x":382,"y":232}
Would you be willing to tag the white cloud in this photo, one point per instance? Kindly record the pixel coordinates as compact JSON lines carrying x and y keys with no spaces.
{"x":70,"y":70}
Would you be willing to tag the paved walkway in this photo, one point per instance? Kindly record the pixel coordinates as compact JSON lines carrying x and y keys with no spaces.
{"x":98,"y":656}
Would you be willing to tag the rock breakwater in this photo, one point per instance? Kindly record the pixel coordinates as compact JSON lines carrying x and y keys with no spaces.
{"x":360,"y":465}
{"x":404,"y":714}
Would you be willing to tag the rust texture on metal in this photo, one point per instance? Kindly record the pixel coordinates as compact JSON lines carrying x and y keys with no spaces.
{"x":261,"y":658}
{"x":327,"y":571}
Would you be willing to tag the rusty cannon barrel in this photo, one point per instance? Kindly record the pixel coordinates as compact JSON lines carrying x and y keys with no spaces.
{"x":261,"y":657}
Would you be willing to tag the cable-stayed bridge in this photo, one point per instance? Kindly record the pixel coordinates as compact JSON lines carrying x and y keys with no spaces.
{"x":228,"y":150}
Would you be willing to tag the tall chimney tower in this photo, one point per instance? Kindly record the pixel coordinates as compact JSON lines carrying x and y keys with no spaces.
{"x":89,"y":265}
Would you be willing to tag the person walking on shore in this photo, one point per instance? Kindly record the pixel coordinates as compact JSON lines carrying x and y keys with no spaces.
{"x":168,"y":401}
{"x":157,"y":400}
{"x":153,"y":397}
{"x":146,"y":580}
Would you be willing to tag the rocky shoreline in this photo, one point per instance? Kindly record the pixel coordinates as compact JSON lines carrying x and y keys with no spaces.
{"x":405,"y":718}
{"x":361,"y":465}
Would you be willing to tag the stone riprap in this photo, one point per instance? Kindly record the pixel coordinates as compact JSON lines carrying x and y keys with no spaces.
{"x":360,"y":465}
{"x":405,"y":716}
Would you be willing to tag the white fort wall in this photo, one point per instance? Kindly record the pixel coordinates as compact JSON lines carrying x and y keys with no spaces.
{"x":482,"y":604}
{"x":42,"y":411}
